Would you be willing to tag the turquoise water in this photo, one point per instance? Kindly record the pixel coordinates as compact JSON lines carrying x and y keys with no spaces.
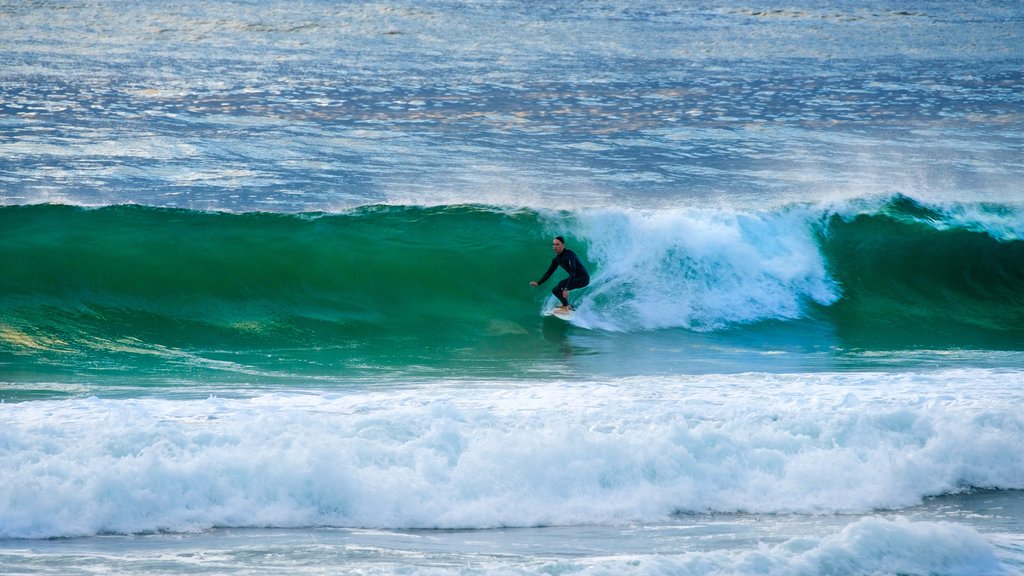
{"x":265,"y":302}
{"x":177,"y":298}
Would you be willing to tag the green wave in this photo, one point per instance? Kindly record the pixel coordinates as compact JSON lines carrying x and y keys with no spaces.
{"x":133,"y":289}
{"x":158,"y":282}
{"x":909,"y":276}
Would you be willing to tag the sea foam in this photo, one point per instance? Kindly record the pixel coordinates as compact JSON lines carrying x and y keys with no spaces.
{"x":702,"y":269}
{"x":867,"y":546}
{"x":530,"y":454}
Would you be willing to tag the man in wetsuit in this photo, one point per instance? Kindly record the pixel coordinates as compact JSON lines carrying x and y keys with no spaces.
{"x":578,"y":277}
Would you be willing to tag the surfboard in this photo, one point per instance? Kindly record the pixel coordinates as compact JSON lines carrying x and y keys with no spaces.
{"x":554,"y":313}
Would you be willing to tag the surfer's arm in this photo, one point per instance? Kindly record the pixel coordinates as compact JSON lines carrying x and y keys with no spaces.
{"x":551,"y":270}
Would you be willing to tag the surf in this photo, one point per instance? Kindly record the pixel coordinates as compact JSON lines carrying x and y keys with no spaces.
{"x":915,"y":273}
{"x":481,"y":454}
{"x":180,"y":290}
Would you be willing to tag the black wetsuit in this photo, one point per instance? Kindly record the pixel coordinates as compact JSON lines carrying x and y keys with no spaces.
{"x":578,"y":276}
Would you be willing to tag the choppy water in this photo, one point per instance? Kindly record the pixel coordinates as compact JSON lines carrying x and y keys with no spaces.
{"x":264,"y":299}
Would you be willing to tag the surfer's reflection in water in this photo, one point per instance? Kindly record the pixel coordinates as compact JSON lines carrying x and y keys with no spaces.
{"x":570,"y":262}
{"x":557,"y":332}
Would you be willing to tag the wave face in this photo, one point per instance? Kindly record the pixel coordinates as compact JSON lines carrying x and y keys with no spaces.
{"x":416,"y":285}
{"x":162,"y":284}
{"x":910,"y":273}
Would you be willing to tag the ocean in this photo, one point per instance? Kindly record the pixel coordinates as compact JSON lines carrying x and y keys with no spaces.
{"x":265,"y":300}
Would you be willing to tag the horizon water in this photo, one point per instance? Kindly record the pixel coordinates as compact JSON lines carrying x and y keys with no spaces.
{"x":265,"y":302}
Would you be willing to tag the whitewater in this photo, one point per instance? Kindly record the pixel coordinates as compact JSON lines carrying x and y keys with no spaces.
{"x":265,"y":302}
{"x":771,"y":458}
{"x":463,"y":456}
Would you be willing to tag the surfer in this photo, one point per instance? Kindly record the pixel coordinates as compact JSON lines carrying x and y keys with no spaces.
{"x":578,"y":276}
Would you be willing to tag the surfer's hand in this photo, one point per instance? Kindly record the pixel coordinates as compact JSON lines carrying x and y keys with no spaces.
{"x":534,"y":284}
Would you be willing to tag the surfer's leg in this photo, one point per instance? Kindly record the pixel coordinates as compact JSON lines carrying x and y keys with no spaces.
{"x":579,"y":283}
{"x":566,"y":285}
{"x":557,"y":291}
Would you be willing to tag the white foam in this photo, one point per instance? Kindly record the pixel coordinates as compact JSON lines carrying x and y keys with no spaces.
{"x":1002,"y":218}
{"x":868,"y":546}
{"x":484,"y":455}
{"x":700,"y":269}
{"x":1004,"y":223}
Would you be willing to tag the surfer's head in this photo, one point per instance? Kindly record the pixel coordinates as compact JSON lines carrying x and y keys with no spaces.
{"x":558,"y":244}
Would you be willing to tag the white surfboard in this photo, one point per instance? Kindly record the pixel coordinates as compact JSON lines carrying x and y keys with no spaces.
{"x":557,"y":313}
